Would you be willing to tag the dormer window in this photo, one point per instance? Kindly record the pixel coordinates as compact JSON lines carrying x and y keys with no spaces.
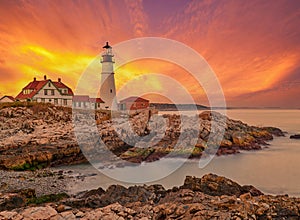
{"x":27,"y":91}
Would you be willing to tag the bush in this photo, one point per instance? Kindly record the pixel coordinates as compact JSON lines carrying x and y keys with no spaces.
{"x":47,"y":198}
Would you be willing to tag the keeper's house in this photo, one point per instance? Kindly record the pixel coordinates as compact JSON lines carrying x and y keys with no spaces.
{"x":47,"y":91}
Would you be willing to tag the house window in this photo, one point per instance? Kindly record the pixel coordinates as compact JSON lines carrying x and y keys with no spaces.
{"x":50,"y":100}
{"x":79,"y":104}
{"x":55,"y":101}
{"x":49,"y":84}
{"x":45,"y":92}
{"x":111,"y":91}
{"x":52,"y":91}
{"x":65,"y":101}
{"x":42,"y":100}
{"x":98,"y":105}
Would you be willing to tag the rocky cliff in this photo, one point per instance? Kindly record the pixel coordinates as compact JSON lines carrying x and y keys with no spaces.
{"x":43,"y":135}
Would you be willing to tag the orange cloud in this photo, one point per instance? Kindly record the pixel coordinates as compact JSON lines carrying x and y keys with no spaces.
{"x":251,"y":46}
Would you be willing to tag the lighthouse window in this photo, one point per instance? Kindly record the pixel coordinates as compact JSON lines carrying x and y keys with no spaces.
{"x":111,"y":91}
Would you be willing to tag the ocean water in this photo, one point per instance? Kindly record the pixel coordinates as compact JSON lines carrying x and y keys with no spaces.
{"x":273,"y":170}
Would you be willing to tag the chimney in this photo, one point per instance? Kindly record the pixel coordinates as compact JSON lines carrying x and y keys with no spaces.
{"x":45,"y":77}
{"x":34,"y":79}
{"x":59,"y":79}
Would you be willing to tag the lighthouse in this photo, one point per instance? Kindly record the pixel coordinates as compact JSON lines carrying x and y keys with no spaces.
{"x":108,"y":88}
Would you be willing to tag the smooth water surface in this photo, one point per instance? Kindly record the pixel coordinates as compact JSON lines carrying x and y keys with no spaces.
{"x":274,"y":170}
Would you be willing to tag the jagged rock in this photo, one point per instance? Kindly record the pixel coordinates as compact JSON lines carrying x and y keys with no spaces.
{"x":65,"y":215}
{"x":154,"y":202}
{"x":214,"y":185}
{"x":11,"y":201}
{"x":97,"y":192}
{"x":117,"y":193}
{"x":252,"y":190}
{"x":274,"y":131}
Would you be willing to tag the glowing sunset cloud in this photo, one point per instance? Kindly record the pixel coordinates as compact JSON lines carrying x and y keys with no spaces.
{"x":39,"y":61}
{"x":152,"y":66}
{"x":253,"y":47}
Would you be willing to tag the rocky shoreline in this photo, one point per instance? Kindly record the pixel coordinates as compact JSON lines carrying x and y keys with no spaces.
{"x":40,"y":135}
{"x":208,"y":197}
{"x":43,"y":182}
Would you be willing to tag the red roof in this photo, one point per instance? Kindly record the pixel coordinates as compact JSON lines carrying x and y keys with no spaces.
{"x":9,"y":97}
{"x":61,"y":85}
{"x":134,"y":99}
{"x":96,"y":100}
{"x":86,"y":98}
{"x":81,"y":98}
{"x":36,"y":86}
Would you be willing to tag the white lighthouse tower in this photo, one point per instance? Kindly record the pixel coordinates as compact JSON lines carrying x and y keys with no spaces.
{"x":108,"y":88}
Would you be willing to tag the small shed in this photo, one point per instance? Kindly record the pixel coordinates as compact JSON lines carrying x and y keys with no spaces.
{"x":96,"y":103}
{"x":134,"y":103}
{"x":81,"y":101}
{"x":7,"y":98}
{"x":85,"y":102}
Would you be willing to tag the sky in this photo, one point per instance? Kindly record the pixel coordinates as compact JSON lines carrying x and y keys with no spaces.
{"x":253,"y":47}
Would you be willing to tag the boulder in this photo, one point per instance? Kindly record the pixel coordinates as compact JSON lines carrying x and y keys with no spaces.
{"x":295,"y":136}
{"x":39,"y":213}
{"x":10,"y":215}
